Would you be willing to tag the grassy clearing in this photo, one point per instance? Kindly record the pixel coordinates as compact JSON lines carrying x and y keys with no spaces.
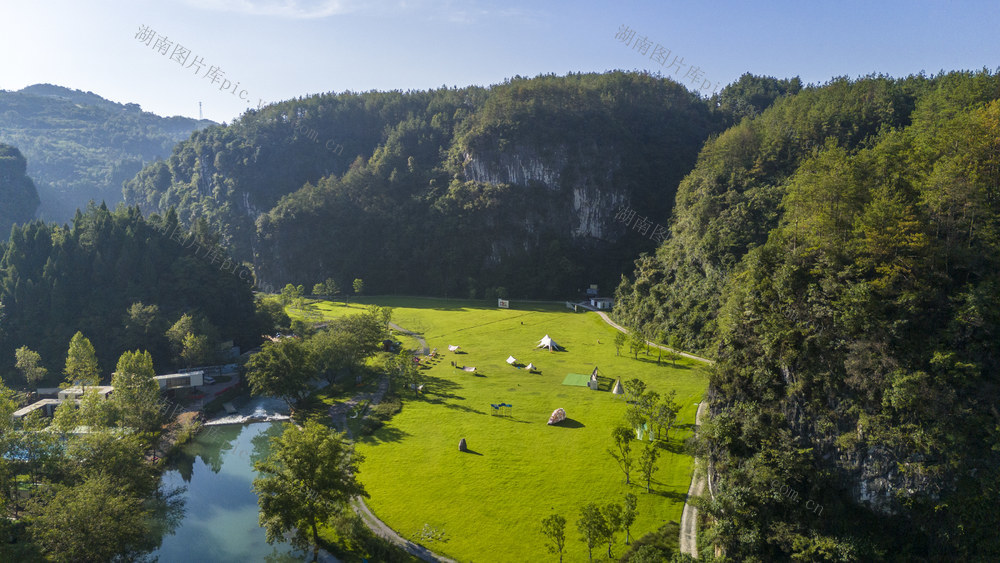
{"x":487,"y":504}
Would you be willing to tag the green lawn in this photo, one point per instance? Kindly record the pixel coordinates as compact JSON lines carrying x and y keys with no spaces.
{"x":488,"y":503}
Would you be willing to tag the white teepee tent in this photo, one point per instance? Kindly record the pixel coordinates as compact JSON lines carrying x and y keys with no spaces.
{"x":617,"y":390}
{"x":548,"y":343}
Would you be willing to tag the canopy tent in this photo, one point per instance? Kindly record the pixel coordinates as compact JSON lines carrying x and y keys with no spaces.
{"x":548,"y":343}
{"x":617,"y":389}
{"x":511,"y":360}
{"x":453,"y":348}
{"x":531,"y":367}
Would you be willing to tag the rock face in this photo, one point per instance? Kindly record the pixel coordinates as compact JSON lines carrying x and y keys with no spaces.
{"x":462,"y":447}
{"x":558,"y":416}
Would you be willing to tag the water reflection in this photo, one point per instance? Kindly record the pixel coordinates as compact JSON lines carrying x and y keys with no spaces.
{"x":213,"y":514}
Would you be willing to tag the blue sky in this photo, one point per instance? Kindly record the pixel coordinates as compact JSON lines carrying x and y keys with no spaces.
{"x":280,"y":49}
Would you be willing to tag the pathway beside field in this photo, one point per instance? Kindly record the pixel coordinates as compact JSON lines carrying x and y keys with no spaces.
{"x":338,"y":413}
{"x":689,"y":516}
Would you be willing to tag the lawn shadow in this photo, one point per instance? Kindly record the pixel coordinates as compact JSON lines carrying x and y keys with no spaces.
{"x":473,"y":452}
{"x":462,"y":408}
{"x":568,"y":423}
{"x":674,"y":496}
{"x":385,"y":434}
{"x":663,"y":363}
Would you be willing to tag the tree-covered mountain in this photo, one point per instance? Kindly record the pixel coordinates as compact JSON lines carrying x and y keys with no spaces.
{"x":125,"y":282}
{"x":474,"y":191}
{"x":17,"y":192}
{"x":81,"y":147}
{"x":839,"y":255}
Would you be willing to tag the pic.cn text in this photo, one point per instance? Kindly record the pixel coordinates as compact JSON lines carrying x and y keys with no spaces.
{"x":188,"y":60}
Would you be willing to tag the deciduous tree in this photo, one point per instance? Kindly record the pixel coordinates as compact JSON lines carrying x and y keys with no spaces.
{"x":647,"y":463}
{"x":281,"y":369}
{"x":309,"y":475}
{"x":81,"y":362}
{"x":622,"y":450}
{"x":554,"y":529}
{"x":27,"y":362}
{"x":593,"y":528}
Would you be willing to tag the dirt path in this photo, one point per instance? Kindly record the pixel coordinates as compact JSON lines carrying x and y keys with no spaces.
{"x":423,"y":343}
{"x":338,"y":413}
{"x":689,"y":517}
{"x":608,"y":320}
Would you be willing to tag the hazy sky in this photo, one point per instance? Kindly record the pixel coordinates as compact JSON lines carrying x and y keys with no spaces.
{"x":279,"y":49}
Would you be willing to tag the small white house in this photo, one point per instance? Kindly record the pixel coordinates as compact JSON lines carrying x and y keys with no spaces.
{"x":47,"y":406}
{"x":76,"y":392}
{"x":180,"y":380}
{"x":602,"y":303}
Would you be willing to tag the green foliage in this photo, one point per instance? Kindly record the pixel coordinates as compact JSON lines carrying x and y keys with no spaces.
{"x":56,"y":281}
{"x":838,"y":255}
{"x":17,"y":191}
{"x":81,"y":362}
{"x":554,"y":530}
{"x":629,"y":514}
{"x":622,"y":450}
{"x":281,"y":369}
{"x":90,"y":521}
{"x":27,"y":362}
{"x":421,"y":181}
{"x":82,"y":147}
{"x":647,"y":464}
{"x":593,"y":527}
{"x":136,"y":397}
{"x":308,"y":476}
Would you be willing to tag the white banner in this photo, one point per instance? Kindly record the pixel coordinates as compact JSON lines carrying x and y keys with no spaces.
{"x":503,"y":303}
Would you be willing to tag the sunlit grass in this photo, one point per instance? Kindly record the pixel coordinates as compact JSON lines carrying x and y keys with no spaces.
{"x":488,"y":503}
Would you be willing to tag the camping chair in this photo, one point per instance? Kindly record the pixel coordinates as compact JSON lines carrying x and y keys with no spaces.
{"x":496,"y":409}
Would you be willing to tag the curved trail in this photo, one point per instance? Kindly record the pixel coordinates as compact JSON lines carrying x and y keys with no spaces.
{"x":338,"y":413}
{"x":689,"y":516}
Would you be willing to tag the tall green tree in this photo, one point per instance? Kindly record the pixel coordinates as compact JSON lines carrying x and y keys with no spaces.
{"x":613,"y":518}
{"x":28,"y":362}
{"x":90,"y":521}
{"x":554,"y":530}
{"x":629,"y":514}
{"x":359,"y":286}
{"x":593,"y":528}
{"x":647,"y":464}
{"x":281,"y":369}
{"x":309,"y":475}
{"x":137,"y":395}
{"x":622,"y":450}
{"x":81,"y":363}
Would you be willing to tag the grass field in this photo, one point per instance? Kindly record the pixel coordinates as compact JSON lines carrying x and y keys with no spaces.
{"x":486,"y":505}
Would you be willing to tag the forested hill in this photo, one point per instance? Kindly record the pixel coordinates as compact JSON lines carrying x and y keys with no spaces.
{"x":839,"y":255}
{"x":127,"y":283}
{"x":512,"y":189}
{"x":81,"y":147}
{"x":17,"y":192}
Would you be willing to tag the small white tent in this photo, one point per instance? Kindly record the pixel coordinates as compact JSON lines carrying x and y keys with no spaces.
{"x":531,"y":367}
{"x":548,"y":343}
{"x":618,"y":387}
{"x":511,"y":360}
{"x":453,"y":348}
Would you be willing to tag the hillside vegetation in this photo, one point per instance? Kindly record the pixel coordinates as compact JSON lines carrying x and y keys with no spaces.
{"x":838,"y":255}
{"x":472,"y":192}
{"x":81,"y":147}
